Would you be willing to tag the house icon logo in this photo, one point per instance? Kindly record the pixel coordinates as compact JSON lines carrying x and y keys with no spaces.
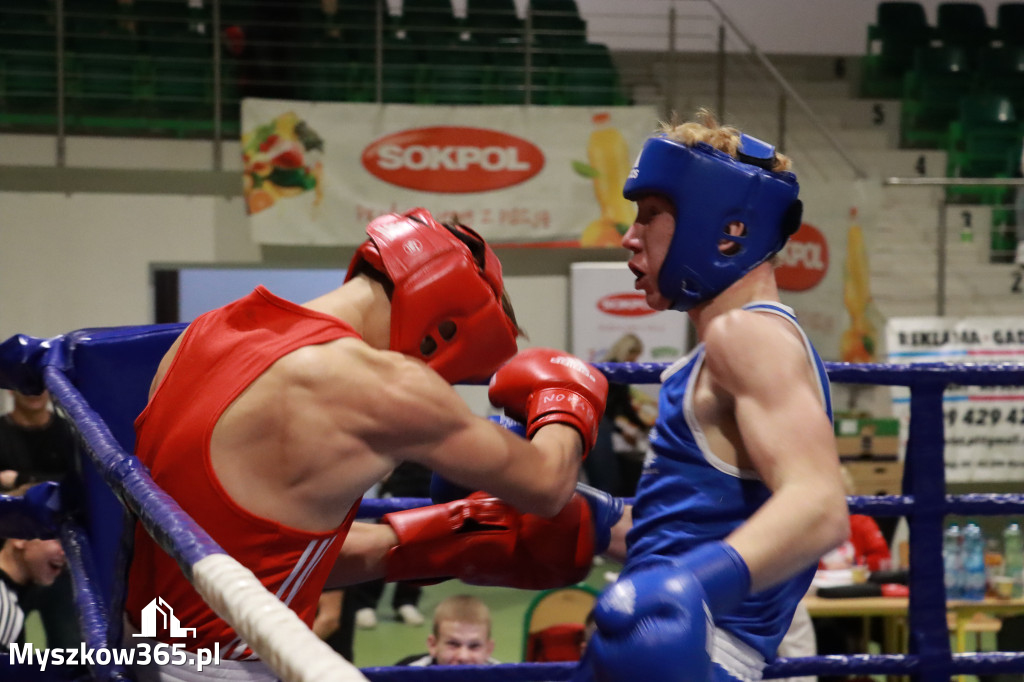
{"x":159,"y":609}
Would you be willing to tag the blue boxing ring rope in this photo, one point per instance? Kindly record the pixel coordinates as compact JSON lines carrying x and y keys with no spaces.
{"x":99,"y":379}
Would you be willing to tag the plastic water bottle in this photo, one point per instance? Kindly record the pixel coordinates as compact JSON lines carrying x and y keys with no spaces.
{"x":974,"y":562}
{"x":952,"y":560}
{"x":1013,"y":557}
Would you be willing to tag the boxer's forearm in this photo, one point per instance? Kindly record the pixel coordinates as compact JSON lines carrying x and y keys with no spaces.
{"x":362,"y":556}
{"x":617,"y":548}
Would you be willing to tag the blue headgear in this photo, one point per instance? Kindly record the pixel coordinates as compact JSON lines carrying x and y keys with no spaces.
{"x":711,"y":189}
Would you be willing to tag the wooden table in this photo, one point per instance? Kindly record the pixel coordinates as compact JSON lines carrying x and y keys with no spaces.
{"x":963,"y":617}
{"x":892,"y":610}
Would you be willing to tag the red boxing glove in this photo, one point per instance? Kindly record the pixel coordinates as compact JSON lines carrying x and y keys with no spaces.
{"x":483,"y":541}
{"x":543,"y":386}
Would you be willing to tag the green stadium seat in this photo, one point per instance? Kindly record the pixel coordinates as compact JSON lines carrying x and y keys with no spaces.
{"x":1010,"y":24}
{"x":330,"y":72}
{"x":506,"y":82}
{"x":589,"y":76}
{"x":931,"y":95}
{"x":547,"y":80}
{"x":108,"y":73}
{"x":182,"y":78}
{"x":158,"y":18}
{"x":900,"y":29}
{"x":362,"y":75}
{"x":557,"y":21}
{"x":1001,"y":72}
{"x":456,"y":73}
{"x":103,"y":68}
{"x":404,"y":77}
{"x":244,"y":13}
{"x":986,"y":127}
{"x":429,"y":21}
{"x":85,"y":18}
{"x":490,"y":21}
{"x":29,"y":81}
{"x":963,"y":24}
{"x":28,"y":62}
{"x":357,"y":20}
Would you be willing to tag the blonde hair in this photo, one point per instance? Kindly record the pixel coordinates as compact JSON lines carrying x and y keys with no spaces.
{"x":462,"y":608}
{"x":627,"y":345}
{"x":707,"y":129}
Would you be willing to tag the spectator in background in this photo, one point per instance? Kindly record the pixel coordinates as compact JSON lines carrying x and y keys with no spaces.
{"x":461,"y":635}
{"x":607,"y":468}
{"x":36,"y":445}
{"x":341,"y":611}
{"x":24,"y":564}
{"x":330,"y":625}
{"x":409,"y":479}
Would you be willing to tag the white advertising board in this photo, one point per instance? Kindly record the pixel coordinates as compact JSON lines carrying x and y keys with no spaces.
{"x":605,"y":307}
{"x":984,"y":425}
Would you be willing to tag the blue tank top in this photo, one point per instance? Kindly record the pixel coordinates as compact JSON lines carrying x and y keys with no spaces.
{"x":687,"y":496}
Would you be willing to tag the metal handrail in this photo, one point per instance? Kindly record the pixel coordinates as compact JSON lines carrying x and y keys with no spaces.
{"x":785,"y":85}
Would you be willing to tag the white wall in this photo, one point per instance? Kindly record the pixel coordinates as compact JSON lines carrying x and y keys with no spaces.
{"x":68,"y":262}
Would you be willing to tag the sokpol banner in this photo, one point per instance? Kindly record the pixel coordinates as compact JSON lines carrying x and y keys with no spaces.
{"x":984,"y":425}
{"x":316,"y":173}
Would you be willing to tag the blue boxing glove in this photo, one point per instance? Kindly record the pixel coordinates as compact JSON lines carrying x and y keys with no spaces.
{"x":605,"y":511}
{"x":654,"y":624}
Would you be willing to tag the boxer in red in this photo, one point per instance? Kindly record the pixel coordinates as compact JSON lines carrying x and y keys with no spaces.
{"x":268,"y":420}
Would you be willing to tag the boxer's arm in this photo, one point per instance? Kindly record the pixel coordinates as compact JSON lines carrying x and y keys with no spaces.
{"x":617,"y":547}
{"x":759,"y":362}
{"x":481,"y":540}
{"x":611,"y":516}
{"x":408,"y":412}
{"x":363,"y":554}
{"x":533,"y":554}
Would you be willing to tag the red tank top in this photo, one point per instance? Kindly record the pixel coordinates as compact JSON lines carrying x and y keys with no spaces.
{"x":238,"y":343}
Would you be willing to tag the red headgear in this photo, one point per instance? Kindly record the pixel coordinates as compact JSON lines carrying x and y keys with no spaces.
{"x":445,"y":307}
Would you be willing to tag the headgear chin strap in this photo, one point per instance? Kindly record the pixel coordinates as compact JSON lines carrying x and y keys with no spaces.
{"x":710,"y":189}
{"x":446,"y":306}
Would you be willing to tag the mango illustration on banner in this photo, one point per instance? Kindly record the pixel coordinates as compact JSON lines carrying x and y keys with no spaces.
{"x":281,"y":159}
{"x":859,"y":342}
{"x":608,"y":167}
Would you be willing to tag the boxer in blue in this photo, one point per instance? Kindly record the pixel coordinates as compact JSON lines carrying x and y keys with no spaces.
{"x":741,"y":491}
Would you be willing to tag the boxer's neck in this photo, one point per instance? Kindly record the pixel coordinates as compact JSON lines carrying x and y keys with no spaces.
{"x":363,"y":304}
